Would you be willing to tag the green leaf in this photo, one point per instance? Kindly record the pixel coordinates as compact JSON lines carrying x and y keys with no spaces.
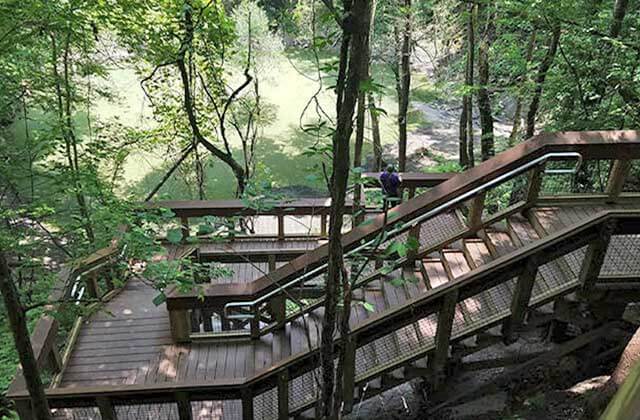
{"x":368,"y":307}
{"x":397,"y":282}
{"x":159,"y":299}
{"x":174,"y":236}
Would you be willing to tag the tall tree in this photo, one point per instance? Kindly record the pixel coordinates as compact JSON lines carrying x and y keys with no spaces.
{"x":18,"y":324}
{"x":484,"y":100}
{"x":403,"y":79}
{"x":354,"y":62}
{"x":466,"y":152}
{"x":541,"y":76}
{"x":517,"y":114}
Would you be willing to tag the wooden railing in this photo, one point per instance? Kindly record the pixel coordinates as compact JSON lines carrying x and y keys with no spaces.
{"x":521,"y":264}
{"x":185,"y":210}
{"x":77,"y":282}
{"x":621,"y":147}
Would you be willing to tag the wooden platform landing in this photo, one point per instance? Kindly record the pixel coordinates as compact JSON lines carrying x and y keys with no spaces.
{"x":133,"y":344}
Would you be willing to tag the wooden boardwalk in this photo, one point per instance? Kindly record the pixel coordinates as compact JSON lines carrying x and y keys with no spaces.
{"x":129,"y":342}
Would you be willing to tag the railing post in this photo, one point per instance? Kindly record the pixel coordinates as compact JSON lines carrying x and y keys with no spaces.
{"x":283,"y":395}
{"x":594,"y":257}
{"x":349,"y":373}
{"x":520,"y":301}
{"x":54,"y":360}
{"x":184,"y":223}
{"x":446,"y":314}
{"x":184,"y":406}
{"x":254,"y":323}
{"x":180,"y":323}
{"x":414,"y":233}
{"x":535,"y":184}
{"x":108,"y":279}
{"x":107,"y":412}
{"x":617,"y":176}
{"x":475,"y":212}
{"x":323,"y":225}
{"x":280,"y":217}
{"x":247,"y":404}
{"x":93,"y":289}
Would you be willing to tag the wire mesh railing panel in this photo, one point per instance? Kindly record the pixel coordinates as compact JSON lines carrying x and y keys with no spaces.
{"x":591,"y":178}
{"x":303,"y":389}
{"x":78,"y":413}
{"x":216,"y":410}
{"x":439,"y":228}
{"x":365,"y":358}
{"x":265,"y":405}
{"x":505,"y":195}
{"x":155,"y":411}
{"x":560,"y":275}
{"x":623,"y":256}
{"x":483,"y":308}
{"x":394,"y":348}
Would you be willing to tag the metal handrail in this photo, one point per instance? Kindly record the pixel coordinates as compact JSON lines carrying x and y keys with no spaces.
{"x":462,"y":197}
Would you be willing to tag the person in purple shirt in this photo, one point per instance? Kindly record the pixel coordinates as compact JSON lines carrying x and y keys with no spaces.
{"x":390,"y":182}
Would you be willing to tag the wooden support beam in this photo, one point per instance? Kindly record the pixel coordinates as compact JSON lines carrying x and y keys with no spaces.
{"x":180,"y":323}
{"x":247,"y":404}
{"x":594,"y":257}
{"x":107,"y":412}
{"x":283,"y":395}
{"x":349,"y":373}
{"x":617,"y":176}
{"x":475,"y":212}
{"x":440,"y":355}
{"x":412,"y":192}
{"x":184,"y":406}
{"x":520,"y":301}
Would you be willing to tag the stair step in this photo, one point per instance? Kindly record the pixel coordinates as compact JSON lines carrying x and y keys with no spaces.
{"x":477,"y":252}
{"x":436,"y":275}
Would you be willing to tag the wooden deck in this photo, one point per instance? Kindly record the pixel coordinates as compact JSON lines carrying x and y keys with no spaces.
{"x":129,"y":342}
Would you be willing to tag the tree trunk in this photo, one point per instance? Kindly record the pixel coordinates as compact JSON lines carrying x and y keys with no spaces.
{"x":466,"y":116}
{"x":18,"y":324}
{"x":619,"y":12}
{"x":544,"y":67}
{"x":484,"y":100}
{"x":630,"y":356}
{"x":403,"y":87}
{"x":226,"y":157}
{"x":65,"y":121}
{"x":356,"y":26}
{"x":375,"y":134}
{"x":517,"y":114}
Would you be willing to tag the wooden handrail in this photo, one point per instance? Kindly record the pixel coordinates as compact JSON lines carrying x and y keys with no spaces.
{"x":43,"y":338}
{"x":470,"y":284}
{"x":296,"y":207}
{"x":591,"y":145}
